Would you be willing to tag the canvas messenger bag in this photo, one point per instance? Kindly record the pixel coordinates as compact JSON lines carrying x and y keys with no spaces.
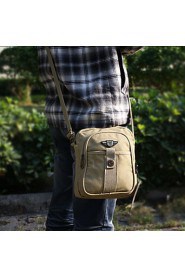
{"x":105,"y":165}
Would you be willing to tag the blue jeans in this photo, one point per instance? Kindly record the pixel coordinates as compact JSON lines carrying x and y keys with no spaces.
{"x":66,"y":212}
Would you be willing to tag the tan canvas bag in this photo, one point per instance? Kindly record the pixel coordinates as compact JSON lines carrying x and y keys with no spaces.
{"x":105,"y":165}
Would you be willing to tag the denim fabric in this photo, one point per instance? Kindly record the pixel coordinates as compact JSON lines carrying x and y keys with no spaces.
{"x":66,"y":212}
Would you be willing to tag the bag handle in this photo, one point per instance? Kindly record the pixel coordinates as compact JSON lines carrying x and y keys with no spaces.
{"x":70,"y":133}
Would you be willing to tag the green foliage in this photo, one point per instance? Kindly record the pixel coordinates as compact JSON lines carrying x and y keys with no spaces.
{"x":21,"y":64}
{"x":11,"y":87}
{"x":160,"y":147}
{"x":7,"y":87}
{"x":158,"y":67}
{"x":20,"y":61}
{"x":25,"y":145}
{"x":26,"y":149}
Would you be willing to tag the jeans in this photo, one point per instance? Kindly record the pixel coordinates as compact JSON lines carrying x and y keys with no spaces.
{"x":66,"y":212}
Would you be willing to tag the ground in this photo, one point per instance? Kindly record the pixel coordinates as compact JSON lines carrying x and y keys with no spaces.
{"x":169,"y":216}
{"x":166,"y":217}
{"x":25,"y":222}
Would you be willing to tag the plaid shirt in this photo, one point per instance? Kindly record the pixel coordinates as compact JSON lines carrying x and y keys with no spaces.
{"x":93,"y":93}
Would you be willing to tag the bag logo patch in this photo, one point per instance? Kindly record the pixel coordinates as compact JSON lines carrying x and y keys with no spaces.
{"x":109,"y":143}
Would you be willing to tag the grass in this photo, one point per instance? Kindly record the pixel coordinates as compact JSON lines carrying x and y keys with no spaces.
{"x":169,"y":216}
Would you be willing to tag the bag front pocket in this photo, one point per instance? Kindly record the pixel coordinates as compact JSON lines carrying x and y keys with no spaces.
{"x":94,"y":173}
{"x":108,"y":171}
{"x":125,"y":173}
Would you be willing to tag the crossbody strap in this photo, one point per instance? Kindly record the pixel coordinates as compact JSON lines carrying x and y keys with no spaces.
{"x":124,"y":79}
{"x":58,"y":84}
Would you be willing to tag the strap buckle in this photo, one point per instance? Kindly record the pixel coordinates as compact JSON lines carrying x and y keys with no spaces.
{"x":71,"y":136}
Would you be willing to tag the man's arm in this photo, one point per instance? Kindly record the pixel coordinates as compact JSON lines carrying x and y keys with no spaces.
{"x":129,"y":50}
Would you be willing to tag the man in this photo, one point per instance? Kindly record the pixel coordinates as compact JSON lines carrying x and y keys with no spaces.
{"x":96,"y":95}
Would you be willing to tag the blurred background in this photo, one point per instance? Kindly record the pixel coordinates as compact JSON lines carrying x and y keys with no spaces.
{"x":157,"y":90}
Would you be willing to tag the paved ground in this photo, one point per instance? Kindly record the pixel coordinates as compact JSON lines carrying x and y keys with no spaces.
{"x":24,"y":212}
{"x":27,"y":212}
{"x":25,"y":222}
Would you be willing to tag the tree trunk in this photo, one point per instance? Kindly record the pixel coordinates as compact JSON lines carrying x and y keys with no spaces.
{"x":27,"y":93}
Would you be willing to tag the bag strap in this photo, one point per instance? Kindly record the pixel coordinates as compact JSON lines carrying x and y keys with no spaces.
{"x":70,"y":133}
{"x":124,"y":78}
{"x":131,"y":116}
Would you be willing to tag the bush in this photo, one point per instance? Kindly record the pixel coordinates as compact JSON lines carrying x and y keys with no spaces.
{"x":13,"y":88}
{"x":7,"y":87}
{"x":157,"y":67}
{"x":25,"y":147}
{"x":160,"y":147}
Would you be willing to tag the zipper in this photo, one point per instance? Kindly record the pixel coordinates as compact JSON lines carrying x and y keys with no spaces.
{"x":82,"y":163}
{"x":83,"y":158}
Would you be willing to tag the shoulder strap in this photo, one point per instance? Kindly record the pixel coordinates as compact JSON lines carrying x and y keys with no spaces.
{"x":70,"y":133}
{"x":123,"y":80}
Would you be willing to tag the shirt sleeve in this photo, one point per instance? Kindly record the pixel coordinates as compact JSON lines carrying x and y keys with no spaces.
{"x":130,"y":50}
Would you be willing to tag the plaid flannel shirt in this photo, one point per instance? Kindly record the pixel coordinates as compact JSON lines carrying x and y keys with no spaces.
{"x":93,"y":93}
